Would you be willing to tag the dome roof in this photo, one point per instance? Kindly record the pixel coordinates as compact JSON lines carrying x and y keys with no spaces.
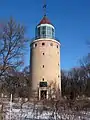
{"x":44,"y":20}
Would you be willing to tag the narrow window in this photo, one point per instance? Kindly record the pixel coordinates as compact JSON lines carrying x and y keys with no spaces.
{"x":43,"y":33}
{"x":52,"y":32}
{"x":43,"y":54}
{"x":36,"y":45}
{"x":43,"y":43}
{"x":44,"y":28}
{"x":57,"y":46}
{"x":38,"y":32}
{"x":43,"y":66}
{"x":58,"y":76}
{"x":43,"y":79}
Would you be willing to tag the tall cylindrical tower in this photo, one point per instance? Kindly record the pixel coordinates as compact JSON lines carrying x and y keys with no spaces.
{"x":45,"y":60}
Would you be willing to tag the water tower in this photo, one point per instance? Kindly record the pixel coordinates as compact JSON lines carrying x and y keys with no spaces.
{"x":45,"y":59}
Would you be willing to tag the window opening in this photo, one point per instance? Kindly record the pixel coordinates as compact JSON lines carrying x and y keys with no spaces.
{"x":43,"y":84}
{"x":36,"y":45}
{"x":43,"y":43}
{"x":39,"y":32}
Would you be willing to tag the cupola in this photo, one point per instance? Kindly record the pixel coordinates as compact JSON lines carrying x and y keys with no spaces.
{"x":45,"y":29}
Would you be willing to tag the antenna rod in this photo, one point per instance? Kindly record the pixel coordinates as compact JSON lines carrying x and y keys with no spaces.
{"x":44,"y":7}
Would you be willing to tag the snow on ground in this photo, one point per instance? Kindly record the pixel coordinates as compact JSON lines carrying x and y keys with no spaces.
{"x":31,"y":112}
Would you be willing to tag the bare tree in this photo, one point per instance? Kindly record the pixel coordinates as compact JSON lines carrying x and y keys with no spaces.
{"x":26,"y":72}
{"x":64,"y":83}
{"x":12,"y":44}
{"x":73,"y":82}
{"x":85,"y":65}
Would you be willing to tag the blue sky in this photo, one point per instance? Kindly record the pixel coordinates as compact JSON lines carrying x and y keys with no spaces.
{"x":71,"y":19}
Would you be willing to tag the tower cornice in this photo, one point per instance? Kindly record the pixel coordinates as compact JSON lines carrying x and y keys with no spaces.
{"x":46,"y":39}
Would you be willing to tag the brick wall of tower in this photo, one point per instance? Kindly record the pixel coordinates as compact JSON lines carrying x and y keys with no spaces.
{"x":45,"y":62}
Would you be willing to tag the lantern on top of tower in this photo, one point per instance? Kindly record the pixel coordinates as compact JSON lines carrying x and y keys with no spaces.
{"x":45,"y":29}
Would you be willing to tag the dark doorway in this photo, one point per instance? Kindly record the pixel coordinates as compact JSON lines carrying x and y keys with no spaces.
{"x":43,"y":94}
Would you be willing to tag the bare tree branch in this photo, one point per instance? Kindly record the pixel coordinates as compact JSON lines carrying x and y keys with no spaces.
{"x":12,"y":46}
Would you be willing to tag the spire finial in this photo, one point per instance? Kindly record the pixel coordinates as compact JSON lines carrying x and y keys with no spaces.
{"x":44,"y":7}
